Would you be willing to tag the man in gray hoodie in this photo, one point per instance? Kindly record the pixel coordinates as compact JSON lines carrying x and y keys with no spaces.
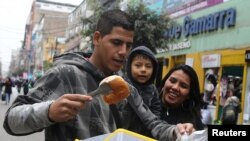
{"x":58,"y":102}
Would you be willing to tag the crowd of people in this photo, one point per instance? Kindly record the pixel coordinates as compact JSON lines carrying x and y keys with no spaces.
{"x":8,"y":83}
{"x":59,"y":103}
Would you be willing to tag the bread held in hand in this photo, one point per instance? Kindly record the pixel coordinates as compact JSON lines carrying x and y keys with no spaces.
{"x":119,"y":87}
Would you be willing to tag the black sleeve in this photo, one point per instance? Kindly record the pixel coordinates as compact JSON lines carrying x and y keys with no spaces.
{"x":156,"y":104}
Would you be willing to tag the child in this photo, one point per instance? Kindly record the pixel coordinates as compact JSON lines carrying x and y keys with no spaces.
{"x":141,"y":70}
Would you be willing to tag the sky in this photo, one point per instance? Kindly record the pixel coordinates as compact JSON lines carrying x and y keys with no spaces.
{"x":14,"y":14}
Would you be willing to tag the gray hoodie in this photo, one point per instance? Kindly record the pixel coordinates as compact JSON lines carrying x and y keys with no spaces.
{"x":73,"y":73}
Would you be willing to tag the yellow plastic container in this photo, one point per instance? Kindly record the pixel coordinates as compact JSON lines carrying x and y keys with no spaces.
{"x":126,"y":135}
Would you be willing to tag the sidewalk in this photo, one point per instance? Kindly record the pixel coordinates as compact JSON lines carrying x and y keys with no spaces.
{"x":6,"y":137}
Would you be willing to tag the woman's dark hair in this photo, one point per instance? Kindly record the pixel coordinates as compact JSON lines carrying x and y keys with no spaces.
{"x":114,"y":18}
{"x":194,"y":101}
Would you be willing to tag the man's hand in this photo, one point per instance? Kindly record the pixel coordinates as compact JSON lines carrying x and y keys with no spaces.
{"x":67,"y":107}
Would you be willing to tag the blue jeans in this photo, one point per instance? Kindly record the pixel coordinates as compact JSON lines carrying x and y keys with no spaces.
{"x":7,"y":98}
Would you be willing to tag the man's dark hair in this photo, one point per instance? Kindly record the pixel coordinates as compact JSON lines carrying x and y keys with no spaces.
{"x":229,"y":115}
{"x":230,"y":111}
{"x":114,"y":18}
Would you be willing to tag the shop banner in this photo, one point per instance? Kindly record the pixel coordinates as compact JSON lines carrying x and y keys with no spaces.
{"x":211,"y":61}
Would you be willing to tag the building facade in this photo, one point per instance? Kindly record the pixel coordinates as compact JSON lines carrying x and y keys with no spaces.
{"x":45,"y":30}
{"x":215,"y":42}
{"x":74,"y":39}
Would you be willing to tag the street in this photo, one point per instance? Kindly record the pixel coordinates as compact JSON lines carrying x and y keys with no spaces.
{"x":6,"y":137}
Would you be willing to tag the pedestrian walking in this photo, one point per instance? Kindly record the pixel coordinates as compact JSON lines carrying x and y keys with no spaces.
{"x":8,"y":89}
{"x":25,"y":87}
{"x":18,"y":83}
{"x":1,"y":85}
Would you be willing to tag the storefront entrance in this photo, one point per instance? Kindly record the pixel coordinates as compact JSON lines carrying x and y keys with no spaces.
{"x":230,"y":84}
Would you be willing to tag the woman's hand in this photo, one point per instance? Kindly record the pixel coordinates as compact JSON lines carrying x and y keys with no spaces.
{"x":185,"y":128}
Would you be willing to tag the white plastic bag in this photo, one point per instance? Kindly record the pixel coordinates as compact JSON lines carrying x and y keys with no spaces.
{"x":200,"y":135}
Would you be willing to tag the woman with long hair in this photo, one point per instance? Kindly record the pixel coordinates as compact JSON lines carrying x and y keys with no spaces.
{"x":180,"y":97}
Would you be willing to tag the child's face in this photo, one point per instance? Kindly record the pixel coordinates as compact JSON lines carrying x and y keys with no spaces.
{"x":141,"y":68}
